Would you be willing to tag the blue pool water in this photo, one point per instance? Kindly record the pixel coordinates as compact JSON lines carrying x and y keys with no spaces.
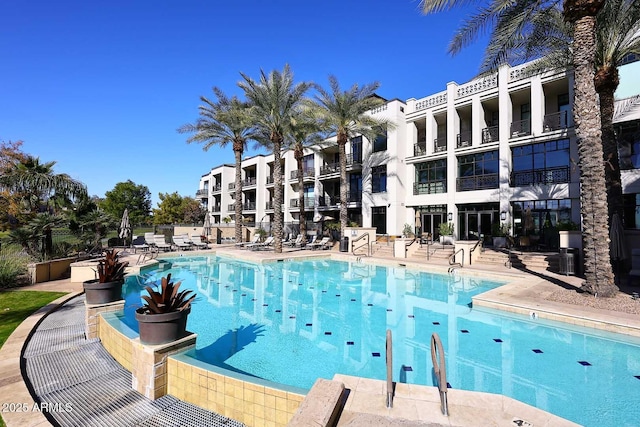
{"x":292,"y":322}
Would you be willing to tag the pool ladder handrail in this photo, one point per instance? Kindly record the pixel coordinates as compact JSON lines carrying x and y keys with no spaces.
{"x":367,"y":244}
{"x":389,"y":350}
{"x":440,"y":370}
{"x":452,"y":260}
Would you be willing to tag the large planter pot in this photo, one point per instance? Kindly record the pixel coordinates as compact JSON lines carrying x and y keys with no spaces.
{"x":447,"y":239}
{"x":162,"y":328}
{"x":102,"y":293}
{"x":499,"y":242}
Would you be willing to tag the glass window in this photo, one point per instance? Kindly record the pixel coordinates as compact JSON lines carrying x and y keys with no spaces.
{"x":629,"y":146}
{"x":632,"y":211}
{"x":379,"y":179}
{"x":478,"y":171}
{"x":380,"y":143}
{"x":356,"y":149}
{"x":542,"y":163}
{"x":431,"y":177}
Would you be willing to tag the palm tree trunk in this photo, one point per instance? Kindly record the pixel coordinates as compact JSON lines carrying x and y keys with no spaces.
{"x":277,"y":194}
{"x":238,"y":207}
{"x":606,"y":81}
{"x":298,"y":154}
{"x":342,"y":155}
{"x":598,"y":271}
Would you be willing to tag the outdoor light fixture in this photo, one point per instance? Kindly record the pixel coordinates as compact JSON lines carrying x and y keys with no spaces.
{"x":503,"y":216}
{"x":450,"y":216}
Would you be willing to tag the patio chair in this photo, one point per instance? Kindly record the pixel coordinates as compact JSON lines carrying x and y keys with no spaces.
{"x":179,"y":242}
{"x":138,"y":242}
{"x":196,"y":240}
{"x":295,"y":242}
{"x":160,"y":243}
{"x":256,"y":239}
{"x":268,"y":241}
{"x":322,"y":244}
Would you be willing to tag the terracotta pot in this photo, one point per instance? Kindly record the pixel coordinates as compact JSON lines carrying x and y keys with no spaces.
{"x":102,"y":293}
{"x":162,"y":328}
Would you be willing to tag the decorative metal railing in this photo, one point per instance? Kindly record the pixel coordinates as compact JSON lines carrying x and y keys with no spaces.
{"x":556,"y":121}
{"x":478,"y":182}
{"x":557,"y":175}
{"x":490,"y":134}
{"x":432,"y":187}
{"x":463,"y":139}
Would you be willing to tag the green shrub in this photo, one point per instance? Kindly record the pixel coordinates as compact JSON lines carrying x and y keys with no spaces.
{"x":11,"y":267}
{"x":446,"y":228}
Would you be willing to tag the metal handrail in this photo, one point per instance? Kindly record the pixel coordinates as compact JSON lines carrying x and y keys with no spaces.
{"x":473,"y":249}
{"x":440,"y":369}
{"x":389,"y":370}
{"x":452,"y":258}
{"x":368,"y":244}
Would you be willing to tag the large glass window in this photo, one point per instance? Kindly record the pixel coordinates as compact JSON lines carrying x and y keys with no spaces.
{"x":379,"y":179}
{"x":355,"y":187}
{"x":632,"y":211}
{"x":356,"y":149}
{"x":478,"y":171}
{"x":543,"y":163}
{"x":431,"y":177}
{"x":307,"y":162}
{"x":380,"y":143}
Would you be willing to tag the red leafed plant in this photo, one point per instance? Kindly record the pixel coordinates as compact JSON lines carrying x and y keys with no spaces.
{"x":168,"y":299}
{"x":111,"y":269}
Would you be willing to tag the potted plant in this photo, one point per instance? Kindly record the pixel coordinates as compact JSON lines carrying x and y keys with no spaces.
{"x":261,"y":232}
{"x":499,"y":234}
{"x":407,"y":231}
{"x":446,"y":233}
{"x":163,"y":317}
{"x":108,"y":286}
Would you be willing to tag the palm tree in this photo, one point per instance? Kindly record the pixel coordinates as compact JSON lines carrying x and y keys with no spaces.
{"x":221,"y":122}
{"x":304,"y":132}
{"x":345,"y":114}
{"x":581,"y":16}
{"x":38,"y":184}
{"x":274,"y":99}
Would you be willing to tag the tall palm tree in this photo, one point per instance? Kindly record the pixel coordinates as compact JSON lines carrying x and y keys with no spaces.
{"x":223,"y":121}
{"x":581,"y":16}
{"x":345,"y":114}
{"x":304,"y":132}
{"x":274,"y":99}
{"x":38,"y":184}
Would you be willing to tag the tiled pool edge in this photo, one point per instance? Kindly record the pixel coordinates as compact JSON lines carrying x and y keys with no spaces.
{"x":228,"y":394}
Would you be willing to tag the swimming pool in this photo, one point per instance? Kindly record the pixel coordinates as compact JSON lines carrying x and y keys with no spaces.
{"x":294,"y":321}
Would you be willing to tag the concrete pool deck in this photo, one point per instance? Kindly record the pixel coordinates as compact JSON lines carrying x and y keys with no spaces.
{"x":525,"y":293}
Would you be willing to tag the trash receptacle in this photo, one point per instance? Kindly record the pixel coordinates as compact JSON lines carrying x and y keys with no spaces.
{"x":568,"y":261}
{"x":344,"y":244}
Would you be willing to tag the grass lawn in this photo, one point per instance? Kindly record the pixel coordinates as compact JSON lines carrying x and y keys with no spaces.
{"x":15,"y":306}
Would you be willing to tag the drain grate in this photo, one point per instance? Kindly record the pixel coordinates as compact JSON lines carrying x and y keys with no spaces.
{"x":85,"y":386}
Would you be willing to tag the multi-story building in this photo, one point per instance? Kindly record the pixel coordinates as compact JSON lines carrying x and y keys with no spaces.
{"x":500,"y":149}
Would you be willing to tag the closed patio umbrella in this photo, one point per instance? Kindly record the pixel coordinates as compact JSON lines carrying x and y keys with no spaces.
{"x":617,"y":248}
{"x":206,"y":228}
{"x":125,"y":226}
{"x":418,"y":222}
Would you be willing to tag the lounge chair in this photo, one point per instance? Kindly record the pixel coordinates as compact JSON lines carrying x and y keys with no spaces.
{"x":253,"y":246}
{"x":256,"y":239}
{"x":313,"y":240}
{"x":180,"y":243}
{"x":295,"y":242}
{"x":160,"y":243}
{"x":196,"y":240}
{"x":322,"y":244}
{"x":138,"y":242}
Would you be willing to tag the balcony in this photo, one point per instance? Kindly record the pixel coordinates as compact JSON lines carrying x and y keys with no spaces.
{"x":557,"y":175}
{"x":308,"y":202}
{"x":354,"y":162}
{"x":440,"y":145}
{"x":420,"y":149}
{"x":330,"y":168}
{"x":232,"y":186}
{"x":478,"y":182}
{"x":231,"y":207}
{"x":556,"y":121}
{"x":306,"y":173}
{"x":249,"y":206}
{"x":334,"y":200}
{"x":520,"y":128}
{"x":216,"y":208}
{"x":202,"y":193}
{"x":432,"y":187}
{"x":490,"y":134}
{"x":248,"y":182}
{"x":216,"y":188}
{"x":463,"y":139}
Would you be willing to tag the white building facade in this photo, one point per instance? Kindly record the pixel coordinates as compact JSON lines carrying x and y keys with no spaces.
{"x":499,"y":150}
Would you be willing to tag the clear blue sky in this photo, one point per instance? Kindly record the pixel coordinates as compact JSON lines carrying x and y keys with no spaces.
{"x":101,"y":87}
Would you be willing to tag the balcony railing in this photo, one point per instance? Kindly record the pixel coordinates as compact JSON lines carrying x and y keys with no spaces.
{"x":478,"y":182}
{"x":306,"y":173}
{"x":520,"y":128}
{"x":268,"y":205}
{"x":420,"y":149}
{"x":204,"y":192}
{"x":330,"y":168}
{"x":432,"y":187}
{"x":463,"y":139}
{"x":354,"y":160}
{"x":249,"y":206}
{"x":249,"y":182}
{"x":556,"y":121}
{"x":439,"y":145}
{"x":231,"y":207}
{"x":334,"y":200}
{"x":269,"y":180}
{"x":308,"y":202}
{"x":490,"y":134}
{"x":217,"y":187}
{"x":216,"y":208}
{"x":558,"y":175}
{"x":232,"y":186}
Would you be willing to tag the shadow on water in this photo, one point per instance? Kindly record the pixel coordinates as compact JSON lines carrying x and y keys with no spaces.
{"x":232,"y":342}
